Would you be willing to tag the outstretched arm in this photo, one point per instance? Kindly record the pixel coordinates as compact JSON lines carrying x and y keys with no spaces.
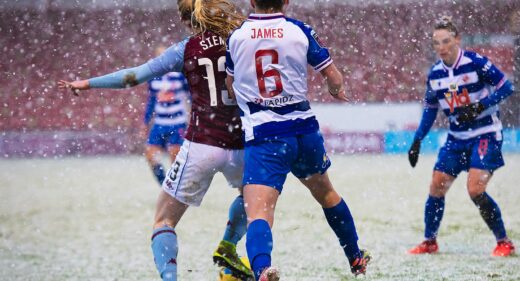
{"x":120,"y":79}
{"x":171,"y":60}
{"x":334,"y":82}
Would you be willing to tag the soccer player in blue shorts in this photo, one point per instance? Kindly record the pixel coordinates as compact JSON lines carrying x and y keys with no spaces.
{"x":266,"y":63}
{"x":167,"y":112}
{"x":468,"y":88}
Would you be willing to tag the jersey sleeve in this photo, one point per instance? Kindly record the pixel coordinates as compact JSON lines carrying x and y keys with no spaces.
{"x":172,"y":60}
{"x":491,"y":75}
{"x":488,"y":72}
{"x":317,"y":55}
{"x":230,"y":65}
{"x":430,"y":97}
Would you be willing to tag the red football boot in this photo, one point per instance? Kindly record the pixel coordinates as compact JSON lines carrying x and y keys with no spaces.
{"x":426,"y":247}
{"x":504,"y":248}
{"x":269,"y":274}
{"x":359,"y":265}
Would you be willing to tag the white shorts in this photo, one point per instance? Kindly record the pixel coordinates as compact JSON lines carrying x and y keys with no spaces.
{"x":191,"y":174}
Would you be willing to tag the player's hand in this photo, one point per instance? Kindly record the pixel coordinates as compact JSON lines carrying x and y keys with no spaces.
{"x":413,"y":152}
{"x":339,"y":94}
{"x":74,"y":86}
{"x":470,"y":112}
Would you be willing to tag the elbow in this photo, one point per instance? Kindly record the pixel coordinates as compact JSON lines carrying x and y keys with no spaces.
{"x":130,"y":80}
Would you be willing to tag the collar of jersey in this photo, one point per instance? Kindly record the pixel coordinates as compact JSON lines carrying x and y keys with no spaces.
{"x":266,"y":16}
{"x":456,"y":64}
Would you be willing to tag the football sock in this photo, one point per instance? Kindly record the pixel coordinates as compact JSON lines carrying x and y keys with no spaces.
{"x":158,"y":172}
{"x":259,"y":245}
{"x":164,"y":248}
{"x":491,"y":214}
{"x":433,"y":212}
{"x":237,"y":223}
{"x":341,"y":221}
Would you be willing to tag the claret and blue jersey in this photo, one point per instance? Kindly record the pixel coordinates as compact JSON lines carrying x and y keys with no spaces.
{"x":271,"y":54}
{"x":471,"y":79}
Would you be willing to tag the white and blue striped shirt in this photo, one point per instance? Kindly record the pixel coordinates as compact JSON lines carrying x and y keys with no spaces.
{"x":167,"y":100}
{"x":471,"y":79}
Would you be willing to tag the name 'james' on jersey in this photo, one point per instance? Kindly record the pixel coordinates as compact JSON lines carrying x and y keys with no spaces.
{"x":270,"y":54}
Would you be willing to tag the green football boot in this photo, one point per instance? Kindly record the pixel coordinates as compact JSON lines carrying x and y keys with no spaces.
{"x":226,"y":256}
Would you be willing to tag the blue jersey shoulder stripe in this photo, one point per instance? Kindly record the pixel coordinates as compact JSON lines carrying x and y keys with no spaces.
{"x":317,"y":55}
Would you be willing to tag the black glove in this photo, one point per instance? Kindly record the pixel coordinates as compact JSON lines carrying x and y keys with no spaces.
{"x":413,"y":152}
{"x":470,"y":112}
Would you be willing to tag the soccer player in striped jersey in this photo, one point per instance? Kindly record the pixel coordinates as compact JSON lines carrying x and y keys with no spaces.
{"x":213,"y":141}
{"x":267,"y":62}
{"x":166,"y":112}
{"x":467,"y":87}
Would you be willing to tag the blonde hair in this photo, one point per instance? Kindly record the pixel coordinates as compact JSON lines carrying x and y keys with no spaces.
{"x":218,"y":16}
{"x":185,"y":9}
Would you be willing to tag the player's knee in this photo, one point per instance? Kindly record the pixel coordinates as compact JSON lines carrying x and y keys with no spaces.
{"x":476,"y":189}
{"x":438,"y":188}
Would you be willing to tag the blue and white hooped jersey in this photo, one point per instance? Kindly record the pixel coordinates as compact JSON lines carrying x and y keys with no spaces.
{"x":268,"y":57}
{"x":472,"y":78}
{"x":167,"y":99}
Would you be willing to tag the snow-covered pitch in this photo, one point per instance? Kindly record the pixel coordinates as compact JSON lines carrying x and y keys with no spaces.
{"x":90,"y":219}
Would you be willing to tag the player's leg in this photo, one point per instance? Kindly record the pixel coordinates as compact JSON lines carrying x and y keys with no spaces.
{"x":486,"y":158}
{"x":452,"y":159}
{"x":164,"y":239}
{"x":260,"y":206}
{"x":226,"y":255}
{"x":265,"y":170}
{"x":185,"y":185}
{"x":153,"y":149}
{"x":311,"y":168}
{"x":339,"y":218}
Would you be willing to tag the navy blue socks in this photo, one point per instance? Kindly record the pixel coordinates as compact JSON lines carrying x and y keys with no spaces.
{"x":259,"y":245}
{"x":341,"y":221}
{"x":433,"y":212}
{"x":158,"y":172}
{"x":491,"y":214}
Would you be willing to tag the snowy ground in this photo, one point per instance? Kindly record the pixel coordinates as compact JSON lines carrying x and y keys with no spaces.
{"x":89,"y":219}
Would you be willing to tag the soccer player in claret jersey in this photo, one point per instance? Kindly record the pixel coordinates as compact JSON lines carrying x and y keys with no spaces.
{"x":166,"y":112}
{"x":468,"y":88}
{"x":213,"y":141}
{"x":266,"y":63}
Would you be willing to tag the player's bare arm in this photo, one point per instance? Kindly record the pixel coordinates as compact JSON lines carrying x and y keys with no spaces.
{"x":229,"y":86}
{"x":334,"y":82}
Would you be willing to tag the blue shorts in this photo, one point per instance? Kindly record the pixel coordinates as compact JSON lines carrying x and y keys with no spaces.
{"x":269,"y":162}
{"x":166,"y":135}
{"x":483,"y":152}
